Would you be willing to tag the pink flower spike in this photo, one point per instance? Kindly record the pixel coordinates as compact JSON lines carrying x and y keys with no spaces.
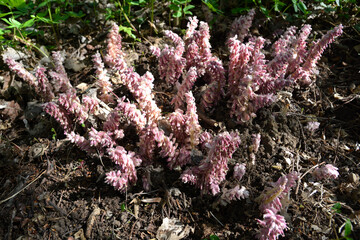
{"x":59,"y":114}
{"x":186,"y":85}
{"x":80,"y":141}
{"x":44,"y":87}
{"x":192,"y":25}
{"x":241,"y":26}
{"x":21,"y":72}
{"x":271,"y":197}
{"x":102,"y":80}
{"x":60,"y":78}
{"x":193,"y":128}
{"x":273,"y":226}
{"x":114,"y":47}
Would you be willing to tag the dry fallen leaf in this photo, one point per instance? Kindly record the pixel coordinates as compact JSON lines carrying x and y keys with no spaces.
{"x":173,"y":229}
{"x":10,"y":110}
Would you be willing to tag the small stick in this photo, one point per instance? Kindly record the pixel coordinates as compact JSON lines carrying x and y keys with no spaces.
{"x":297,"y":188}
{"x":14,"y":195}
{"x":91,"y":220}
{"x":216,"y":219}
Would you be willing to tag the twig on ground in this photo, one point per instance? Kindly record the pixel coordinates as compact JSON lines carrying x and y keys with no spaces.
{"x":216,"y":219}
{"x":298,"y":185}
{"x":14,"y":195}
{"x":91,"y":221}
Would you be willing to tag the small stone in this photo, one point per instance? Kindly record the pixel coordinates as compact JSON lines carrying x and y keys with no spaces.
{"x":123,"y":217}
{"x":354,"y":178}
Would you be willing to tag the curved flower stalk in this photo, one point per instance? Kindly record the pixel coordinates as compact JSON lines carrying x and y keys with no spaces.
{"x":101,"y":139}
{"x":60,"y":115}
{"x":274,"y":224}
{"x":41,"y":83}
{"x":69,"y":109}
{"x":21,"y":72}
{"x":270,"y":199}
{"x":79,"y":141}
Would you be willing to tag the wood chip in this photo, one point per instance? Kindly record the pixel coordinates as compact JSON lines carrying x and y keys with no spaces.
{"x":91,"y":221}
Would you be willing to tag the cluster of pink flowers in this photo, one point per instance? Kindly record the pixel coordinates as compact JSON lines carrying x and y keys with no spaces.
{"x":171,"y":61}
{"x":212,"y":170}
{"x":328,"y":171}
{"x":274,"y":224}
{"x":192,"y":55}
{"x":127,"y":162}
{"x":249,"y":84}
{"x":21,"y":72}
{"x":239,"y":171}
{"x":44,"y":88}
{"x":40,"y":82}
{"x":235,"y":193}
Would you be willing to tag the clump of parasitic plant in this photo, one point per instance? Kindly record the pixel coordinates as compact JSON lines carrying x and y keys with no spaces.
{"x":249,"y":83}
